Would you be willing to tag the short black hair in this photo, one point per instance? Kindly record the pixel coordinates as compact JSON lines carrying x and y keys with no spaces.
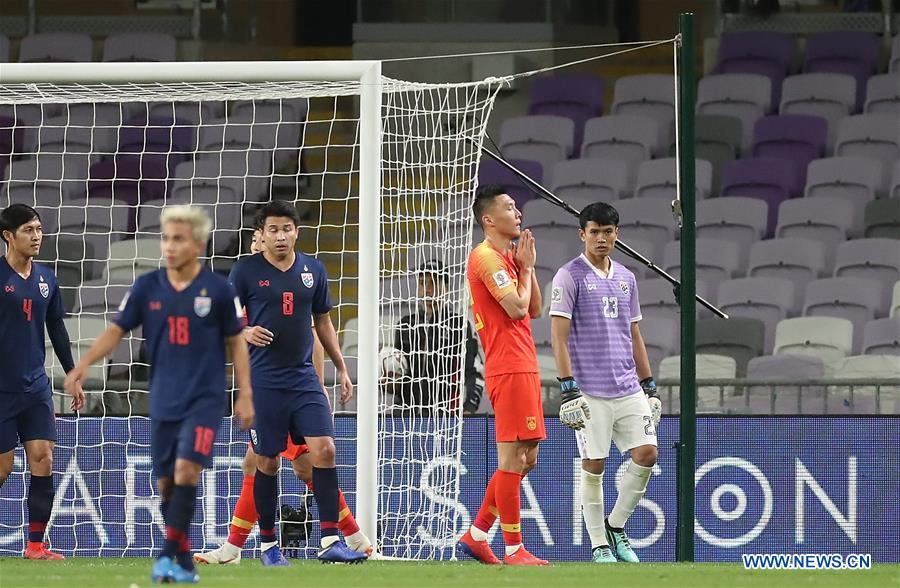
{"x":14,"y":216}
{"x":275,"y":208}
{"x":484,"y":197}
{"x":599,"y":212}
{"x":433,"y":267}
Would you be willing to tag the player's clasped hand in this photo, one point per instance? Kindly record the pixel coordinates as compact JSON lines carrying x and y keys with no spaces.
{"x":525,"y":251}
{"x":574,"y":411}
{"x":258,"y":336}
{"x":72,"y":385}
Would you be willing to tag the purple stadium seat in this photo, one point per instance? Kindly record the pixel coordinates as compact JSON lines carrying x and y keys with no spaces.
{"x":576,"y":97}
{"x":793,"y":137}
{"x":854,"y":299}
{"x":657,"y":178}
{"x":492,"y":172}
{"x":546,"y":139}
{"x":743,"y":96}
{"x":651,"y":95}
{"x":875,"y":259}
{"x":736,"y":218}
{"x":757,"y":52}
{"x":583,"y":181}
{"x":847,"y":52}
{"x":647,"y":219}
{"x":130,"y":179}
{"x":883,"y":94}
{"x":158,"y":135}
{"x":791,"y":399}
{"x":797,"y":260}
{"x":717,"y":260}
{"x":766,"y":299}
{"x":629,"y":138}
{"x":770,"y":180}
{"x":56,"y":47}
{"x":882,"y":337}
{"x":140,"y":47}
{"x":827,"y":220}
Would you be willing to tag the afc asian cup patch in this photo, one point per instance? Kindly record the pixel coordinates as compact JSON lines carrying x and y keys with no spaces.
{"x":624,"y":287}
{"x":307,"y":279}
{"x":44,"y":288}
{"x":531,"y":423}
{"x":502,"y":279}
{"x":202,"y":305}
{"x":556,"y":294}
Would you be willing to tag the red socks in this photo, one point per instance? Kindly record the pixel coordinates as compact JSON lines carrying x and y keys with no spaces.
{"x":487,"y":514}
{"x":507,"y":495}
{"x":244,"y":515}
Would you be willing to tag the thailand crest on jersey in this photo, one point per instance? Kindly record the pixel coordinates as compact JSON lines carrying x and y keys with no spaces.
{"x":44,"y":288}
{"x":307,"y":279}
{"x":624,"y":287}
{"x":202,"y":305}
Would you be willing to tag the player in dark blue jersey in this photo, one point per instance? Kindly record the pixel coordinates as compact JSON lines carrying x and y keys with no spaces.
{"x":29,"y":301}
{"x":280,"y":289}
{"x":190,"y":315}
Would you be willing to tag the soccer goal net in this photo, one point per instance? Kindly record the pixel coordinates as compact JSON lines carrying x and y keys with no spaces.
{"x":382,"y":173}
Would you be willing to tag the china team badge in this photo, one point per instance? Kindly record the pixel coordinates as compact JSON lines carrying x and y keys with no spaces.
{"x":531,"y":423}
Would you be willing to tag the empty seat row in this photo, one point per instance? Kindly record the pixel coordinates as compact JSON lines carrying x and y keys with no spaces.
{"x":69,"y":47}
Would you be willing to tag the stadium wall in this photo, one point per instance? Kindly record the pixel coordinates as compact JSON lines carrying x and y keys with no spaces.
{"x":784,"y":485}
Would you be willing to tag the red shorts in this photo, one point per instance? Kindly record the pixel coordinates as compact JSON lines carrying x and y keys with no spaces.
{"x":518,"y":410}
{"x":293,"y":450}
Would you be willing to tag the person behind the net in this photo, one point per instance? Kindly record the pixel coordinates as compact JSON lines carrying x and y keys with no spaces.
{"x":281,"y":291}
{"x":190,"y":317}
{"x":505,"y":296}
{"x":245,"y":516}
{"x":432,"y":340}
{"x":30,"y":301}
{"x":599,"y":352}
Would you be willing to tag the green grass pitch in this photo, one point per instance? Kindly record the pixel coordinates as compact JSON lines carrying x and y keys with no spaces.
{"x":135,"y":572}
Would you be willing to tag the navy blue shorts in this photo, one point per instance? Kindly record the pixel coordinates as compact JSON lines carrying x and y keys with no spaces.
{"x":192,"y":438}
{"x":26,"y":417}
{"x":283,"y":412}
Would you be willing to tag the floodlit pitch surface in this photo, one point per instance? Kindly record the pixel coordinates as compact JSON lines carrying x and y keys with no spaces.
{"x":131,"y":572}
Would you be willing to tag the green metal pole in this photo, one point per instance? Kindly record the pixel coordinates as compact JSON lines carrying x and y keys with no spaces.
{"x":687,"y":446}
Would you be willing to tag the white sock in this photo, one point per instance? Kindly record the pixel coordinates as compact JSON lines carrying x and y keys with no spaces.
{"x":631,"y":490}
{"x":357,"y":540}
{"x":267,"y":545}
{"x":511,"y":549}
{"x":592,"y":507}
{"x":230,"y":550}
{"x":477,"y":534}
{"x":327,"y":540}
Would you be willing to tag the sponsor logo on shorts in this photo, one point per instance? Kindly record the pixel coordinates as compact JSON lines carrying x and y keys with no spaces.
{"x":502,"y":279}
{"x":531,"y":423}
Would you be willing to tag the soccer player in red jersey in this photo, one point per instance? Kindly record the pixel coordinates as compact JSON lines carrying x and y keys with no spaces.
{"x":505,"y":297}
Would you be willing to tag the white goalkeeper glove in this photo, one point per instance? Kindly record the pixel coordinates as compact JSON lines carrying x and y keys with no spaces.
{"x":649,"y":388}
{"x":574,"y":410}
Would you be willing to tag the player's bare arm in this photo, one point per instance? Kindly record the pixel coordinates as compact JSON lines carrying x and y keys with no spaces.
{"x":243,"y":406}
{"x":537,"y":298}
{"x":328,"y":337}
{"x":102,"y":347}
{"x":559,"y":340}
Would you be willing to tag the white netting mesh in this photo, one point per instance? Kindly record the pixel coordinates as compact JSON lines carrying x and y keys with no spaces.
{"x":99,"y":162}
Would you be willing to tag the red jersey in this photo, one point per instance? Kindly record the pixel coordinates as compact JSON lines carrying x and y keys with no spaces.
{"x":508,"y":344}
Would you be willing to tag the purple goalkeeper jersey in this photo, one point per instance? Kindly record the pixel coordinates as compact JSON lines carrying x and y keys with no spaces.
{"x":601,"y":308}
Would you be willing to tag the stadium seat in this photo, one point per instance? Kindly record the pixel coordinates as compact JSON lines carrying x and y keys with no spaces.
{"x":546,"y":139}
{"x":828,"y":338}
{"x":637,"y":268}
{"x":826,"y":220}
{"x":872,"y":399}
{"x":4,"y":49}
{"x":854,"y":179}
{"x":576,"y":97}
{"x":661,"y":336}
{"x":540,"y":332}
{"x":766,"y":299}
{"x":708,"y":367}
{"x":550,"y":232}
{"x":895,"y":301}
{"x":553,"y":255}
{"x":738,"y":219}
{"x":798,"y":138}
{"x":717,"y":260}
{"x":646,"y":219}
{"x":740,"y":338}
{"x":56,"y":47}
{"x":764,"y":399}
{"x":55,"y":172}
{"x":208,"y":112}
{"x":765,"y":53}
{"x":718,"y":140}
{"x":870,"y":135}
{"x":875,"y":259}
{"x":130,"y":178}
{"x":894,"y":191}
{"x":770,"y":180}
{"x":99,"y":300}
{"x":826,"y":95}
{"x":140,"y":47}
{"x":651,"y":95}
{"x":855,"y":299}
{"x":744,"y":96}
{"x":349,"y":336}
{"x":252,"y":168}
{"x":657,"y":298}
{"x":658,"y":178}
{"x":83,"y":331}
{"x":883,"y":94}
{"x":882,"y":337}
{"x":895,"y":55}
{"x":131,"y":258}
{"x":847,"y":52}
{"x":492,"y":172}
{"x":882,"y":218}
{"x":141,"y":134}
{"x":797,"y":260}
{"x":629,"y":138}
{"x":202,"y":179}
{"x":580,"y":182}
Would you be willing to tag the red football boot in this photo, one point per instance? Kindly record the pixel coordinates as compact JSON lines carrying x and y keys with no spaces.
{"x":479,"y":550}
{"x":523,"y":558}
{"x":40,"y":551}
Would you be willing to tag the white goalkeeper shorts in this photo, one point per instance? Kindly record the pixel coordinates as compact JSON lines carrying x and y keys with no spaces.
{"x":625,"y":421}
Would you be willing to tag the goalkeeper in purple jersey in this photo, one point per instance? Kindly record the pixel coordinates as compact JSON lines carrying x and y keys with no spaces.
{"x":30,"y":300}
{"x":599,"y":352}
{"x":190,"y":315}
